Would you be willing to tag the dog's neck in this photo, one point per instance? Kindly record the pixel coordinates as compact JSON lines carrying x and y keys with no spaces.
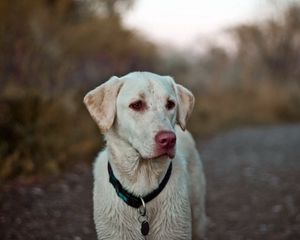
{"x":139,"y":176}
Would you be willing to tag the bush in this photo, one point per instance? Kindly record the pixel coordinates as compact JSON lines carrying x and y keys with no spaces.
{"x":40,"y":135}
{"x":231,"y":109}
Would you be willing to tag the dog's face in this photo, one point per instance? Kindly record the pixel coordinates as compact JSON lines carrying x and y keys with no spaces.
{"x":146,"y":115}
{"x":142,"y":108}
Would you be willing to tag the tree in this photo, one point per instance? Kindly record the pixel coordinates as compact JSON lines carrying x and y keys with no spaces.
{"x":272,"y":48}
{"x":109,"y":8}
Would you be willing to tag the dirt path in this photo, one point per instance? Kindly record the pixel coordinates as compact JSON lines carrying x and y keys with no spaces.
{"x":253,"y":178}
{"x":60,"y":209}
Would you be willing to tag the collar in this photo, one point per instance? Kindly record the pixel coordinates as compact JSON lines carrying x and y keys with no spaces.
{"x":129,"y":198}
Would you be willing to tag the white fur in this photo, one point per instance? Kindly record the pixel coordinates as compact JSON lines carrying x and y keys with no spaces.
{"x":178,"y":211}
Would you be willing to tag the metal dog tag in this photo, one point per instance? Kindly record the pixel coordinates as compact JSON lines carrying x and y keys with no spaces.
{"x":143,"y":218}
{"x":145,"y":228}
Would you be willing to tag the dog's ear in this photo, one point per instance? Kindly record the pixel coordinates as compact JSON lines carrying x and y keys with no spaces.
{"x":186,"y":103}
{"x":101,"y":103}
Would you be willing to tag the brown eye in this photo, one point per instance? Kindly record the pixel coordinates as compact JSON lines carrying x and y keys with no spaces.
{"x":137,"y":106}
{"x":170,"y":105}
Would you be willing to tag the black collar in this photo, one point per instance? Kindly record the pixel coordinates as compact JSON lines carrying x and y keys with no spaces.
{"x":129,"y":198}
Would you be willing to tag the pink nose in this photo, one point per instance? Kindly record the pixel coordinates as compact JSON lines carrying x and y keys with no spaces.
{"x":165,"y":139}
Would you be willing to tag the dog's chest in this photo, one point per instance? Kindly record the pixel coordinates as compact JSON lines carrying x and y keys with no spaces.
{"x":168,"y":214}
{"x":166,"y":221}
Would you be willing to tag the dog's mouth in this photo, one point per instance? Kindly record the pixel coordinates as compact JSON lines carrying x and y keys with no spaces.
{"x":168,"y":154}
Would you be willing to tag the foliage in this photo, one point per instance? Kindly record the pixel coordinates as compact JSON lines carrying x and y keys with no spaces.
{"x":41,"y":135}
{"x":53,"y":51}
{"x":56,"y":42}
{"x":258,"y":83}
{"x":272,"y":49}
{"x":235,"y":108}
{"x":111,"y":8}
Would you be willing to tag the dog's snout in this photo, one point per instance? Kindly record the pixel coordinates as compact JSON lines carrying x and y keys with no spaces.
{"x":165,"y":139}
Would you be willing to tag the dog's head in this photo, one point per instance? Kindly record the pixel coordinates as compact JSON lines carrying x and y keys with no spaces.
{"x":142,"y":108}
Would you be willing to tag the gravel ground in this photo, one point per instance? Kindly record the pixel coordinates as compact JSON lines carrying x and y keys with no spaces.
{"x":58,"y":209}
{"x":253,"y":178}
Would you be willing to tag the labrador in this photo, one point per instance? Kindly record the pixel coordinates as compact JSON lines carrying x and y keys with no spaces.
{"x":148,"y":181}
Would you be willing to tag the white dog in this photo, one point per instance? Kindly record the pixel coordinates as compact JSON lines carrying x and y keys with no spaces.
{"x":149,"y":182}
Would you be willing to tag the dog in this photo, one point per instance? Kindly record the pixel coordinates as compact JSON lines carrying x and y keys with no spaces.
{"x":148,"y":181}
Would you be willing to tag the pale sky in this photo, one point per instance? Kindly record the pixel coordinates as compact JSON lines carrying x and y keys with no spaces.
{"x":180,"y":23}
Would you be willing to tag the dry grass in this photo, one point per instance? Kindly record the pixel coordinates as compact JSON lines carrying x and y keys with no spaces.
{"x":269,"y":105}
{"x":41,"y":135}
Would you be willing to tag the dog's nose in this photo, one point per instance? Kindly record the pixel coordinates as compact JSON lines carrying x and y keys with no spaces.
{"x":165,"y":139}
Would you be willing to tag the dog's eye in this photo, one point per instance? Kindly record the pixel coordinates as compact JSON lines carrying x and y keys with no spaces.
{"x":170,"y":105}
{"x":138,"y":105}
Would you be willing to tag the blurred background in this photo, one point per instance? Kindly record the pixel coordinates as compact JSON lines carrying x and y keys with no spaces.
{"x":241,"y":59}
